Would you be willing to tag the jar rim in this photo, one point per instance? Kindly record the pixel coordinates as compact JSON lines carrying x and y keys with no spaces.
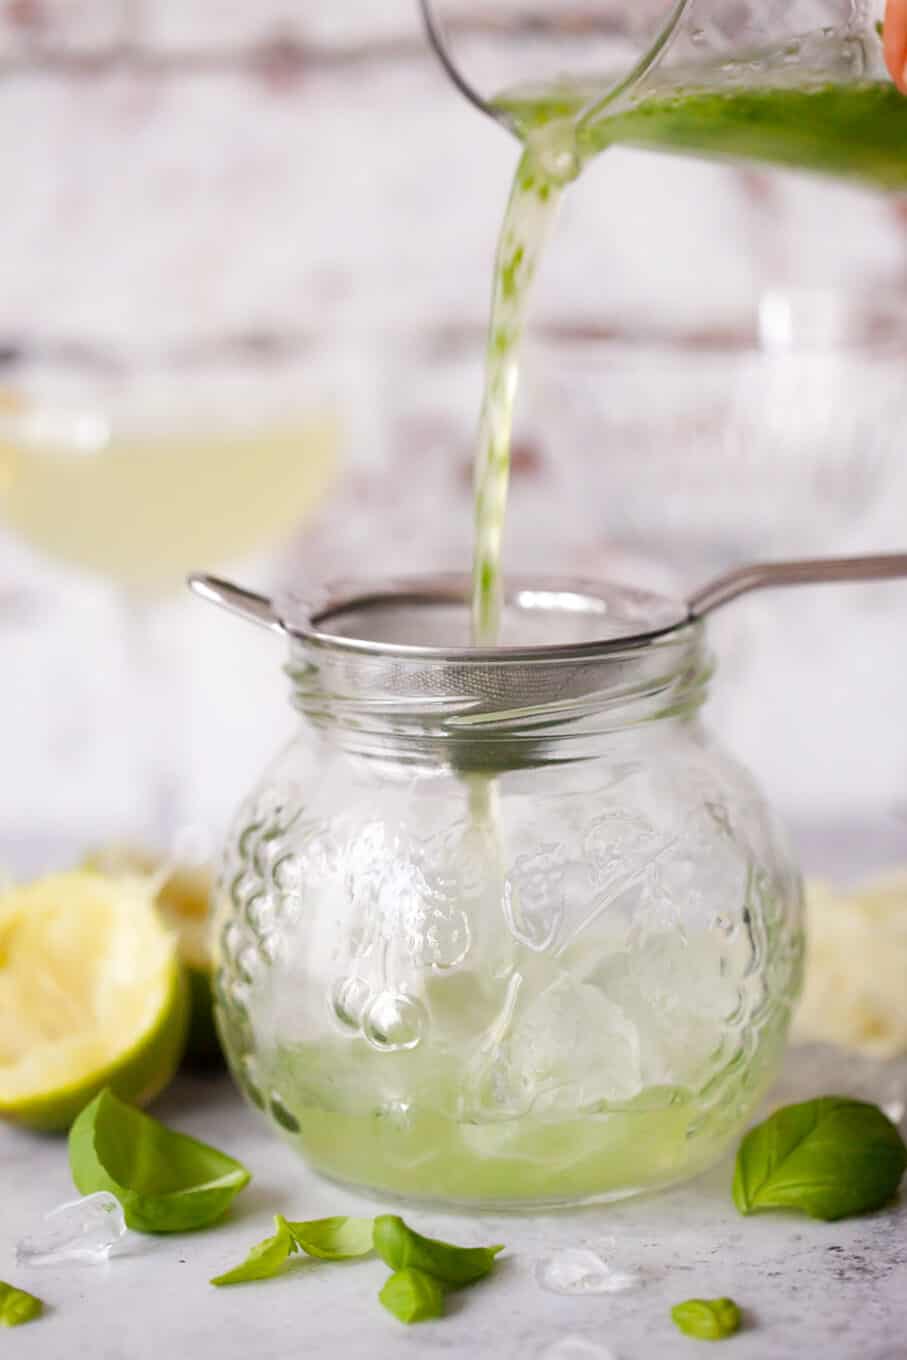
{"x":589,"y":619}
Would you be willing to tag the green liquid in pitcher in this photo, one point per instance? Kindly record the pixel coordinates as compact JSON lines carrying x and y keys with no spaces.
{"x":851,"y":131}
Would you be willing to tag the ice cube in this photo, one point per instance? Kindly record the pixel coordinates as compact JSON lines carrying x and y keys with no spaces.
{"x":580,"y":1271}
{"x":699,"y":974}
{"x":533,"y":900}
{"x":86,"y":1230}
{"x":463,"y":1007}
{"x":574,"y":1049}
{"x":680,"y":994}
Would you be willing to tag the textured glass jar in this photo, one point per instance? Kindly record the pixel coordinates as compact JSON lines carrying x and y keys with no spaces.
{"x":506,"y":927}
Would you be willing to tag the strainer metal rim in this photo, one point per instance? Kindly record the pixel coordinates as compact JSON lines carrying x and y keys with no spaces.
{"x":301,"y":620}
{"x":679,"y":617}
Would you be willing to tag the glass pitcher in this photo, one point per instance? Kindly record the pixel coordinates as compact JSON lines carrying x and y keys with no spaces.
{"x":790,"y":82}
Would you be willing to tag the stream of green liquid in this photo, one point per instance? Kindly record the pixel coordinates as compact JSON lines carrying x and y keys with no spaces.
{"x":856,"y":131}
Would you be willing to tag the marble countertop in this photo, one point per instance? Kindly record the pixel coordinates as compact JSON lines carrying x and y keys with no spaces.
{"x":807,"y":1289}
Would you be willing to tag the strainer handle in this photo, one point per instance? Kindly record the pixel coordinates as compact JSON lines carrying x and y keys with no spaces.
{"x":246,"y":603}
{"x":815,"y":571}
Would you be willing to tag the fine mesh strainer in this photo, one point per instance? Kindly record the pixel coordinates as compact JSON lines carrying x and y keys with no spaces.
{"x":562,"y":641}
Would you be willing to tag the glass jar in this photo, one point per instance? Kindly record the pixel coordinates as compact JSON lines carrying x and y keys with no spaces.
{"x":504,"y":927}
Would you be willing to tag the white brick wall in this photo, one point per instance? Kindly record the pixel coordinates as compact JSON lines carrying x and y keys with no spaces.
{"x":333,"y":191}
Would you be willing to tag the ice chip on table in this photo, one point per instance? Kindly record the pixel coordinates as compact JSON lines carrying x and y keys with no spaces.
{"x":86,"y":1230}
{"x":575,"y":1348}
{"x":581,"y":1271}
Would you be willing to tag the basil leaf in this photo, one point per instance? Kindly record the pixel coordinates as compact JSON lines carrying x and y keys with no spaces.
{"x":165,"y":1181}
{"x":831,"y":1158}
{"x":17,"y":1306}
{"x":707,"y":1319}
{"x":265,"y":1260}
{"x":334,"y":1239}
{"x":400,"y":1247}
{"x":413,"y":1296}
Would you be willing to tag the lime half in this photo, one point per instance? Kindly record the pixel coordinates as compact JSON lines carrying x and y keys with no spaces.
{"x":184,"y":900}
{"x":92,"y":994}
{"x":185,"y":904}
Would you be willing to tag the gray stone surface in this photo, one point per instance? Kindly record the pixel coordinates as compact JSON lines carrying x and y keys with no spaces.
{"x":807,"y":1289}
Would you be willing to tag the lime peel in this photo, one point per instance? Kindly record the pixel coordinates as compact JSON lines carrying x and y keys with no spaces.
{"x":183,"y":897}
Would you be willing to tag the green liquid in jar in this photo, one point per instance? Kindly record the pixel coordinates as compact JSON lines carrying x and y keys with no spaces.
{"x":530,"y":1085}
{"x":388,"y":1122}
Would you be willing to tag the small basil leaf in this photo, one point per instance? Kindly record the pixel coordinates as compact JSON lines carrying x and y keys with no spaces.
{"x":413,"y":1296}
{"x":707,"y":1319}
{"x":334,"y":1239}
{"x":831,"y":1158}
{"x":400,"y":1247}
{"x":165,"y":1181}
{"x":265,"y":1260}
{"x":17,"y":1306}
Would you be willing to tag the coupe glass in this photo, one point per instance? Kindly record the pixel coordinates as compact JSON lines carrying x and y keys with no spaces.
{"x":137,"y":469}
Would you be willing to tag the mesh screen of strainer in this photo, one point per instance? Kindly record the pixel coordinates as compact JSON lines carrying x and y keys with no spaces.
{"x":433,"y":614}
